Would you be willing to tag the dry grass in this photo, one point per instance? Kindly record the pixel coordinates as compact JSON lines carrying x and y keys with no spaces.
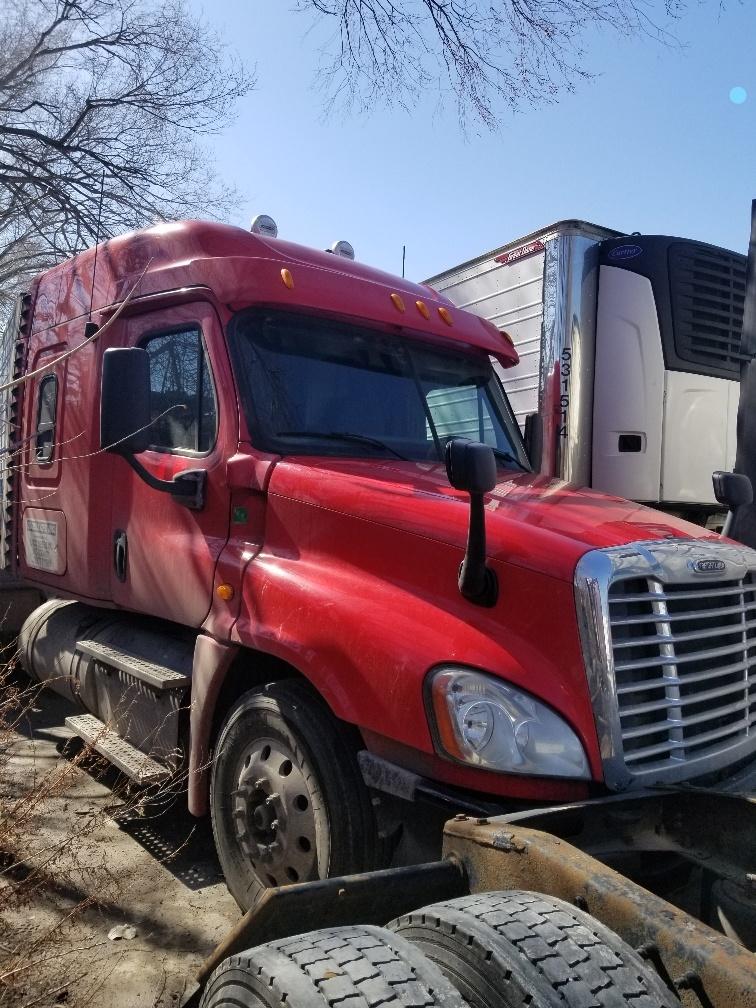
{"x":57,"y":883}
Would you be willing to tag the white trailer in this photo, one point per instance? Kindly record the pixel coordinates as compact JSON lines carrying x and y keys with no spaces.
{"x":629,"y":356}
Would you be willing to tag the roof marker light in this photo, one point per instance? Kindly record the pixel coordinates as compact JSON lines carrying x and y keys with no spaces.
{"x":422,"y":307}
{"x":287,"y":278}
{"x":398,"y":303}
{"x":343,"y":249}
{"x":446,"y":315}
{"x":265,"y":226}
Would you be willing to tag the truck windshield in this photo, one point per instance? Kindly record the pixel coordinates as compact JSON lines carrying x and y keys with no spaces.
{"x":311,"y":386}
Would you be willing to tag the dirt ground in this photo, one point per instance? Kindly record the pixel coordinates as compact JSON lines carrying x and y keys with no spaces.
{"x":155,"y":872}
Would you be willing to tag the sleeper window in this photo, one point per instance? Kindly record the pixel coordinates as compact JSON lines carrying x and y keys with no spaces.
{"x":182,"y":398}
{"x":46,"y":409}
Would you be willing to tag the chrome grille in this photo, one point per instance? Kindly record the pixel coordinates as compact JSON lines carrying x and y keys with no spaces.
{"x":685,"y":668}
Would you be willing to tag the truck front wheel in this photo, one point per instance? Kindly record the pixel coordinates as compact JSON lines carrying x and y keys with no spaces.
{"x":287,"y":799}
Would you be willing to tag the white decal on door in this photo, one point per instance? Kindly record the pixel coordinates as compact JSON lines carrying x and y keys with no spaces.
{"x":41,"y":544}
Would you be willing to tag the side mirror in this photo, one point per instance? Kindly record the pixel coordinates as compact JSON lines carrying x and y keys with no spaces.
{"x":470,"y":466}
{"x":732,"y":489}
{"x":125,"y":401}
{"x":125,"y":423}
{"x":735,"y":491}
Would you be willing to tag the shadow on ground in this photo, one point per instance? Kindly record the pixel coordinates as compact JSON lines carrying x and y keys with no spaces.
{"x":182,"y":844}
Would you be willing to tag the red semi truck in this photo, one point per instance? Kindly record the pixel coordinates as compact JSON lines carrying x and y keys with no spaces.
{"x":253,"y":549}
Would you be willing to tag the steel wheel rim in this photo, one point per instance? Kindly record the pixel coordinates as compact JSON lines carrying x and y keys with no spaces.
{"x":274,"y":814}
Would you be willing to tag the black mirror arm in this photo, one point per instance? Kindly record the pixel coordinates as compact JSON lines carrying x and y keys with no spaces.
{"x":477,"y":582}
{"x":188,"y":487}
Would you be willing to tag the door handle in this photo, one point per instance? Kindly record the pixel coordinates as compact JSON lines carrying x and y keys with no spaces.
{"x":120,"y":553}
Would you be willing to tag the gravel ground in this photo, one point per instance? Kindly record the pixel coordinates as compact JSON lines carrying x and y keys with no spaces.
{"x":155,"y":872}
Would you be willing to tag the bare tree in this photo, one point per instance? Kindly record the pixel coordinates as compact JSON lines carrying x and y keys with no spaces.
{"x":103,"y":104}
{"x":520,"y":52}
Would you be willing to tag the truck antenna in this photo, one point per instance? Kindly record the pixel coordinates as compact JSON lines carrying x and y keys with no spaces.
{"x":90,"y":328}
{"x":404,"y":256}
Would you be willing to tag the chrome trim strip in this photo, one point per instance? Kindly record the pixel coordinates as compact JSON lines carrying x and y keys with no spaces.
{"x":570,"y":294}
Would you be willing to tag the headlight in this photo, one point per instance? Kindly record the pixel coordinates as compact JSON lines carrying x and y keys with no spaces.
{"x":486,"y":722}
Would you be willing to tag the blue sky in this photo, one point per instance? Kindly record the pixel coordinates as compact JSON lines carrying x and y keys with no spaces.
{"x":653,"y":143}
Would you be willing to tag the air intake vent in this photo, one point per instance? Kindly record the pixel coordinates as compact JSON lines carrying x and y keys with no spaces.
{"x":12,"y":367}
{"x":707,"y":287}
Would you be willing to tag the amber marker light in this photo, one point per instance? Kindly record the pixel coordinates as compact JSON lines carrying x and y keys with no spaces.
{"x":446,"y":316}
{"x":444,"y":720}
{"x":225,"y":592}
{"x":422,"y":307}
{"x":287,"y":278}
{"x":397,"y":301}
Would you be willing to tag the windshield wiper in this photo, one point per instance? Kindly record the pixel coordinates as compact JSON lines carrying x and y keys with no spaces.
{"x":506,"y":456}
{"x":344,"y":436}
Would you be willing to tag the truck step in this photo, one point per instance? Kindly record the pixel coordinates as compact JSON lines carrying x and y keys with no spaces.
{"x":157,"y":676}
{"x":122,"y":754}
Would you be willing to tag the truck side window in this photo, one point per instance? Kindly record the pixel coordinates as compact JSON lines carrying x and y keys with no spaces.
{"x":181,"y":384}
{"x":47,"y":405}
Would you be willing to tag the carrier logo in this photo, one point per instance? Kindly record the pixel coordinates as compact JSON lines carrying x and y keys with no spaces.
{"x":626,"y":252}
{"x":708,"y":566}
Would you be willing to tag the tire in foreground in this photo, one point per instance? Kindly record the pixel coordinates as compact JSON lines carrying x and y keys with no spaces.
{"x":516,"y":949}
{"x":337,"y":966}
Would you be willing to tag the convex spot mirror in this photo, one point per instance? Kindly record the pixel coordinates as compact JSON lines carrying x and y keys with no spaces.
{"x":470,"y":466}
{"x":125,"y":401}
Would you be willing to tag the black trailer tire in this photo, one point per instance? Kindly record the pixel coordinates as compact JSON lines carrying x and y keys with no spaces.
{"x":336,"y":966}
{"x":287,"y":800}
{"x":512,"y":949}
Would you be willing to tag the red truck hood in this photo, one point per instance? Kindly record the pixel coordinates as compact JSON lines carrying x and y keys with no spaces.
{"x":533,"y":521}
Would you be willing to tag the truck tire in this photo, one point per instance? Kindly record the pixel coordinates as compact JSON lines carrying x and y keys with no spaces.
{"x":344,"y":965}
{"x":734,"y":912}
{"x":511,"y":949}
{"x":287,"y":800}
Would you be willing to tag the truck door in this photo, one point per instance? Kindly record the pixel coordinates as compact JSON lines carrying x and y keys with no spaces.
{"x":163,"y":554}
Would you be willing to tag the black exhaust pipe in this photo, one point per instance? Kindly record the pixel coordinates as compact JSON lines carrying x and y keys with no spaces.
{"x":743,"y":524}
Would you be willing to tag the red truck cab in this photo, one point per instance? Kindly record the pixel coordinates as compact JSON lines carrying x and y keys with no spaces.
{"x":258,"y":579}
